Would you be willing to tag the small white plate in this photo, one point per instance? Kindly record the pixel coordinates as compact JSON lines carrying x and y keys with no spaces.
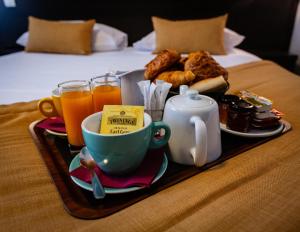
{"x":56,"y":133}
{"x":75,"y":163}
{"x":255,"y":133}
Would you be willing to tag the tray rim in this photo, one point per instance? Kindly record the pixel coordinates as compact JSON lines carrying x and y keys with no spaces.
{"x":79,"y":210}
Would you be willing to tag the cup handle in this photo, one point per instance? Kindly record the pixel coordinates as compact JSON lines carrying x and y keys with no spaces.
{"x":159,"y":142}
{"x":199,"y":152}
{"x":52,"y":112}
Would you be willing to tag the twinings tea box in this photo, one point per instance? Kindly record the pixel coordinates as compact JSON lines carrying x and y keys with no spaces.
{"x":121,"y":119}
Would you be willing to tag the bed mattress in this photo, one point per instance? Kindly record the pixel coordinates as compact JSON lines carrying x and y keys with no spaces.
{"x":30,"y":76}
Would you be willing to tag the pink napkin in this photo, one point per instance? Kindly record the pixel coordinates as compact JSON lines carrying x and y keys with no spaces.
{"x":143,"y":176}
{"x":54,"y":123}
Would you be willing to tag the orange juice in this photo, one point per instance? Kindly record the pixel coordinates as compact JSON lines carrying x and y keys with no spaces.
{"x":76,"y":106}
{"x":106,"y":95}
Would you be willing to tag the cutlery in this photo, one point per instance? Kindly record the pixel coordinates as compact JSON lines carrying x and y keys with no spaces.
{"x":87,"y":161}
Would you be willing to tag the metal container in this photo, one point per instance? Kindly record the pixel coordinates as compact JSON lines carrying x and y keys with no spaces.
{"x":130,"y":92}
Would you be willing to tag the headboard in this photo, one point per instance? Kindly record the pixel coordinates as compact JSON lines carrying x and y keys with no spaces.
{"x":267,"y":24}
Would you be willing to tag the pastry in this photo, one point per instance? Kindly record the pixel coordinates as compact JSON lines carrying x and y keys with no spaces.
{"x":181,"y":62}
{"x":177,"y":78}
{"x":210,"y":85}
{"x":164,"y":60}
{"x":204,"y":66}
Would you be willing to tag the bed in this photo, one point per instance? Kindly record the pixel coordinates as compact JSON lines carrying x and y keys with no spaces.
{"x":31,"y":76}
{"x":258,"y":190}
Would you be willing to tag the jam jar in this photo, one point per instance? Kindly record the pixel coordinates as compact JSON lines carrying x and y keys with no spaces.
{"x":239,"y":116}
{"x":224,"y":103}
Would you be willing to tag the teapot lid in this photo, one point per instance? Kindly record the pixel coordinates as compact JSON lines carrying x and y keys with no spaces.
{"x":191,"y":99}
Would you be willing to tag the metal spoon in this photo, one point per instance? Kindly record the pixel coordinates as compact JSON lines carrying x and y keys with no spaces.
{"x":87,"y":161}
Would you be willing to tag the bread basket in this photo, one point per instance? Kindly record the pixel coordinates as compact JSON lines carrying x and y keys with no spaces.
{"x":131,"y":94}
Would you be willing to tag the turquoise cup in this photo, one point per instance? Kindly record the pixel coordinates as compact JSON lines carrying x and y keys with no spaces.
{"x":121,"y":154}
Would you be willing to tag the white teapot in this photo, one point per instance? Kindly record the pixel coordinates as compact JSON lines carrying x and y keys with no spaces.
{"x":195,"y":128}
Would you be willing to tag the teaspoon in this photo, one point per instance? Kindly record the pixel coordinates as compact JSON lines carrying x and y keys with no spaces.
{"x":87,"y":161}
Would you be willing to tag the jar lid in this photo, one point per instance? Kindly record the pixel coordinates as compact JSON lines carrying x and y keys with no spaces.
{"x":242,"y":106}
{"x":228,"y":98}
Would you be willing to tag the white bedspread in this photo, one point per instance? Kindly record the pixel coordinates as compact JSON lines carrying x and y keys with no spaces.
{"x":29,"y":76}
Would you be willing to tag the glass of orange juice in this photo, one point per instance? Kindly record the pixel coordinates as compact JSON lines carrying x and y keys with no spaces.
{"x":106,"y":91}
{"x":77,"y":103}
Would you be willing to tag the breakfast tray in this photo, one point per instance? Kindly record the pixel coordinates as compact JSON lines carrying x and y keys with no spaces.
{"x":80,"y":203}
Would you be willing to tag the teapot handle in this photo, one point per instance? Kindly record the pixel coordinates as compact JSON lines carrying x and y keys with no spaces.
{"x":199,"y":152}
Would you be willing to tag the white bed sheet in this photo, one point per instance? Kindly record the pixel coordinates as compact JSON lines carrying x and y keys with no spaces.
{"x":30,"y":76}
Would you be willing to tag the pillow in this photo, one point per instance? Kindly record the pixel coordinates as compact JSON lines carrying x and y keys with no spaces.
{"x":59,"y":37}
{"x":190,"y":35}
{"x":103,"y":42}
{"x":105,"y":38}
{"x":23,"y":39}
{"x":120,"y":38}
{"x":147,"y":43}
{"x":231,"y":40}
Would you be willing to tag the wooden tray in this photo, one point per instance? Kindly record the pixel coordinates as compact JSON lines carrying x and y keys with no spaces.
{"x":80,"y":203}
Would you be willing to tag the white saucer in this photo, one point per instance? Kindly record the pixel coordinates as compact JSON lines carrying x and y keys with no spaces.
{"x":255,"y":133}
{"x":76,"y":163}
{"x":56,"y":133}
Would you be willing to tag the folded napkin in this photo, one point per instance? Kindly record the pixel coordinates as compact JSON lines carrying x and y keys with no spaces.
{"x":142,"y":177}
{"x":54,"y":123}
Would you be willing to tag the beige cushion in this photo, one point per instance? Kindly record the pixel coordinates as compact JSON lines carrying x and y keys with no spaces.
{"x":190,"y":35}
{"x":59,"y":37}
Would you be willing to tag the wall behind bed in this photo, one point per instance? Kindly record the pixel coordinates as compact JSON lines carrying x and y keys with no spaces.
{"x":267,"y":24}
{"x":131,"y":16}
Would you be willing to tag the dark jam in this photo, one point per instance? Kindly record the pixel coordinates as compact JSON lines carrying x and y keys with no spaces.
{"x":239,"y":116}
{"x":224,"y":103}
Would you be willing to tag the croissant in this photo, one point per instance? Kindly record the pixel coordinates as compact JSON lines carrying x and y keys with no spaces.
{"x":204,"y":66}
{"x":177,"y":78}
{"x":160,"y":63}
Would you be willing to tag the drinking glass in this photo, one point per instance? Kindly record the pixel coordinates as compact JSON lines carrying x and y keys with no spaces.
{"x":77,"y":103}
{"x":106,"y":91}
